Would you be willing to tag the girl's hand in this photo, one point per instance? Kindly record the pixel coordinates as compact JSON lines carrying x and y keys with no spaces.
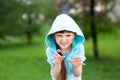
{"x":76,"y":61}
{"x":58,"y":58}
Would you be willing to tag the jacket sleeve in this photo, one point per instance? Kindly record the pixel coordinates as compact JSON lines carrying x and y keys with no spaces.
{"x":50,"y":54}
{"x":82,"y":53}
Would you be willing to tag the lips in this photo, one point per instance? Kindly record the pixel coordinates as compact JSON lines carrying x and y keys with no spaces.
{"x":63,"y":45}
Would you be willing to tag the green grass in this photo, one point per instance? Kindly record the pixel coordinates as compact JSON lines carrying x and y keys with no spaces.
{"x":107,"y":67}
{"x":19,"y":61}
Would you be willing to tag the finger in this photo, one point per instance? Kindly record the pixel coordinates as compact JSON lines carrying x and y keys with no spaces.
{"x":58,"y":55}
{"x":78,"y":58}
{"x":83,"y":64}
{"x":54,"y":56}
{"x":70,"y":60}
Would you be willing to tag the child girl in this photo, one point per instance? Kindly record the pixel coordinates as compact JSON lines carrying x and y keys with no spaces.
{"x":65,"y":49}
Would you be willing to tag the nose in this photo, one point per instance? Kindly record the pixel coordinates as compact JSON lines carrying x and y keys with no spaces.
{"x":64,"y":39}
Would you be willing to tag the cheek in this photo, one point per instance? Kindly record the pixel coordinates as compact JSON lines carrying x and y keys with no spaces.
{"x":57,"y":40}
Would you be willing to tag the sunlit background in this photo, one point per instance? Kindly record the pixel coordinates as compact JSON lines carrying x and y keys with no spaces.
{"x":25,"y":23}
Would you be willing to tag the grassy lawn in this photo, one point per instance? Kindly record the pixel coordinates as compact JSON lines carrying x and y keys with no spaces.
{"x":107,"y":67}
{"x":19,"y":61}
{"x":28,"y":62}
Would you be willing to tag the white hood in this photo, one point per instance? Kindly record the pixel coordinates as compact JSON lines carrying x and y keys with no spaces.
{"x":64,"y":22}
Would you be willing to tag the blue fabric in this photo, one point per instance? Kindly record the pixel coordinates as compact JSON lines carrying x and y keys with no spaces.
{"x":64,"y":22}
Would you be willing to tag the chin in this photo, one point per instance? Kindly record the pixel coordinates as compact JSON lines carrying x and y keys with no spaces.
{"x":64,"y":47}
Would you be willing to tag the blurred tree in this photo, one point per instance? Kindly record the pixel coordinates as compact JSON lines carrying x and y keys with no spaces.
{"x":30,"y":20}
{"x":23,"y":17}
{"x":93,"y":30}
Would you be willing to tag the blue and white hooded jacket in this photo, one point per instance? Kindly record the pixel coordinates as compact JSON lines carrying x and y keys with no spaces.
{"x":64,"y":22}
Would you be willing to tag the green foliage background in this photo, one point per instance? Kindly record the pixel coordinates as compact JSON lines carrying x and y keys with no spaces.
{"x":20,"y":61}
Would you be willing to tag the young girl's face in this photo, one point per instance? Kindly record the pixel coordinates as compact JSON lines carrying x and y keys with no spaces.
{"x":64,"y":39}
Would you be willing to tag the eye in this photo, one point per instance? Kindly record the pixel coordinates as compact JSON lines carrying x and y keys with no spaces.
{"x":68,"y":35}
{"x":59,"y":35}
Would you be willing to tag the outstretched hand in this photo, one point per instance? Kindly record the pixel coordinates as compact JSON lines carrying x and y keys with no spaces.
{"x":76,"y":61}
{"x":57,"y":58}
